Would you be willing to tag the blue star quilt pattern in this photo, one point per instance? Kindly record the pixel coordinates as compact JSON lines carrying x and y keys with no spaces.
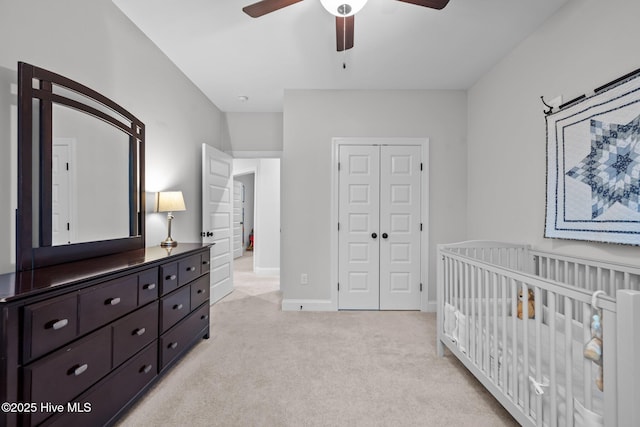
{"x":593,"y":168}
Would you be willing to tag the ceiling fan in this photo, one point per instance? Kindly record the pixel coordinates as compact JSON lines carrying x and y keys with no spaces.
{"x":344,"y":11}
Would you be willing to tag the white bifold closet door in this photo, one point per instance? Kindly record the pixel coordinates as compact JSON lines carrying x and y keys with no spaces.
{"x":379,"y":236}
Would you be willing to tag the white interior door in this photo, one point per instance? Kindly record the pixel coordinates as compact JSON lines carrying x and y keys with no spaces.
{"x":400,"y":201}
{"x":217,"y":213}
{"x":61,"y":194}
{"x":379,"y":242}
{"x":238,"y":192}
{"x":358,"y":248}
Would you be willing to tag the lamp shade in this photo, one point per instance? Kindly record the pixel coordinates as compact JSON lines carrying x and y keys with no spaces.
{"x":171,"y":201}
{"x":343,"y":7}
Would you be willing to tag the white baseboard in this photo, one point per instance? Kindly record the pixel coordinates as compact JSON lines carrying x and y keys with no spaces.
{"x":307,"y":305}
{"x":214,"y":297}
{"x":432,"y":307}
{"x":267,"y":271}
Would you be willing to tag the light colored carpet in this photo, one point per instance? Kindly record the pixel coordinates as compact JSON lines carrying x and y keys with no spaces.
{"x":266,"y":367}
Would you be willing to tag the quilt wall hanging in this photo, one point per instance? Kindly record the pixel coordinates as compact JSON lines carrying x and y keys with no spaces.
{"x":593,"y":167}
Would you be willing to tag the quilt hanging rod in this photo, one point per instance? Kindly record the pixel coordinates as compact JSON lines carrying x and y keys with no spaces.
{"x":596,"y":90}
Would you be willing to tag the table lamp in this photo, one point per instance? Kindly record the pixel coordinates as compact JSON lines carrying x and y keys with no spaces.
{"x":170,"y":201}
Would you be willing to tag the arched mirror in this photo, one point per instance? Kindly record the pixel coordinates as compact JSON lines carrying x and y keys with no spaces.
{"x":80,"y":172}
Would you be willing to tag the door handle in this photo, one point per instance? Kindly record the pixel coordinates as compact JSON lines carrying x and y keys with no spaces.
{"x":385,"y":235}
{"x":374,"y":235}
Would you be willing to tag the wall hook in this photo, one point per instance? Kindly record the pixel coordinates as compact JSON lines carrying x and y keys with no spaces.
{"x":546,"y":112}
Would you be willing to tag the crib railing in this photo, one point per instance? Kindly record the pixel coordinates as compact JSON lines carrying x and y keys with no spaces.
{"x":585,"y":273}
{"x":480,"y":282}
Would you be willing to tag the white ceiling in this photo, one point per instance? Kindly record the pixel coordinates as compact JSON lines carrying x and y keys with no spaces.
{"x":398,"y":45}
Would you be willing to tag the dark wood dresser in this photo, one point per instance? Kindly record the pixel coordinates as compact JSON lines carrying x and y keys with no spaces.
{"x":82,"y":341}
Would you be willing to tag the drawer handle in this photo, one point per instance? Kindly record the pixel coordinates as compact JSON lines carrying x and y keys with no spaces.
{"x":146,"y":368}
{"x":173,"y":345}
{"x":78,"y":370}
{"x":191,"y":269}
{"x":112,"y":301}
{"x":205,"y":262}
{"x":57,"y":324}
{"x":204,"y":317}
{"x":149,"y":286}
{"x":200,"y":291}
{"x":171,"y":277}
{"x":177,"y":307}
{"x":139,"y":331}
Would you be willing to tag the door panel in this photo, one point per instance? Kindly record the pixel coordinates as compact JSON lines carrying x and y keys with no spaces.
{"x":61,"y":193}
{"x":217,"y":216}
{"x":238,"y":191}
{"x":400,"y":201}
{"x":379,"y":192}
{"x":358,"y":214}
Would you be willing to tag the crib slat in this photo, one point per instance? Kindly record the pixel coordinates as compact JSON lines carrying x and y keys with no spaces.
{"x":466,"y":305}
{"x":473,"y":322}
{"x":525,"y":352}
{"x":568,"y":361}
{"x":494,"y":363}
{"x":538,"y":322}
{"x":553,"y":379}
{"x":481,"y":316}
{"x":486,"y":351}
{"x":587,"y":373}
{"x":503,"y":296}
{"x":514,"y":342}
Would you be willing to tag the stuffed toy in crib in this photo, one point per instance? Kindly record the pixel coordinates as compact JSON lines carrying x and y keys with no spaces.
{"x":530,"y":304}
{"x":593,"y":348}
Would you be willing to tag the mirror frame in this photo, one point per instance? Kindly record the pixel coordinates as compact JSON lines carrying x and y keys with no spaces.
{"x":37,"y":84}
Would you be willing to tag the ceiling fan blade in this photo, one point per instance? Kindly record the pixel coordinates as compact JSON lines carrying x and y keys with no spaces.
{"x":267,"y":6}
{"x":433,"y":4}
{"x":344,"y":32}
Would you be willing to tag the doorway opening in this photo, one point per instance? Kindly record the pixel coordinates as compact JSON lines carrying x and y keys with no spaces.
{"x":257,"y":223}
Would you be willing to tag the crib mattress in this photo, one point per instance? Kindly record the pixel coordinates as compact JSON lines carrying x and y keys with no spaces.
{"x":484,"y":353}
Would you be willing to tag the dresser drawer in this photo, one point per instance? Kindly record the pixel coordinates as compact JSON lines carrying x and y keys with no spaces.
{"x":133,"y":332}
{"x":168,"y":278}
{"x":106,"y":302}
{"x":63,"y":375}
{"x":147,"y":286}
{"x":174,"y":307}
{"x":188,"y":269}
{"x":205,"y":262}
{"x":174,"y":342}
{"x":110,"y":395}
{"x":199,"y":291}
{"x":49,"y":325}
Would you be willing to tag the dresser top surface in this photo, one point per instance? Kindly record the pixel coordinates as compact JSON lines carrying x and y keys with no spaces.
{"x":16,"y":286}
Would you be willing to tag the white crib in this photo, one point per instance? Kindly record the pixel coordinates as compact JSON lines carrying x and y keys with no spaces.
{"x":535,"y":367}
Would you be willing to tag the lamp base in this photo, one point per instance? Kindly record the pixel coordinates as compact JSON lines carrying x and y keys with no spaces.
{"x":168,"y":243}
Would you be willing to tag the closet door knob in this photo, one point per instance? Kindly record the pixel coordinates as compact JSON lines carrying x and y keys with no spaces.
{"x":374,"y":235}
{"x":385,"y":235}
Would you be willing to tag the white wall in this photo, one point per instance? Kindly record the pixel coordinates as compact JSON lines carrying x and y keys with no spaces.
{"x":586,"y":44}
{"x":94,"y":43}
{"x":267,"y":212}
{"x":253,"y":132}
{"x":311,"y":119}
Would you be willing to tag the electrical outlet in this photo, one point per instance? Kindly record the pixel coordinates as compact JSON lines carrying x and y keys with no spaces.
{"x":304,"y":279}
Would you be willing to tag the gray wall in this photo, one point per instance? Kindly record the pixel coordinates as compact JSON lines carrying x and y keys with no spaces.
{"x":94,"y":43}
{"x":312,"y":119}
{"x":253,"y":132}
{"x":584,"y":45}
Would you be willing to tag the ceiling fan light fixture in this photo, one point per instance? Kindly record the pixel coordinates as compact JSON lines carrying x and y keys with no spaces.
{"x":343,"y":8}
